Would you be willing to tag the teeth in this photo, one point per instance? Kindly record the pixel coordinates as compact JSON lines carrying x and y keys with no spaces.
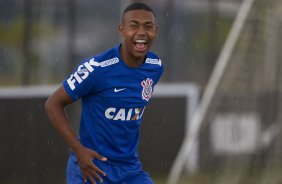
{"x":140,"y":41}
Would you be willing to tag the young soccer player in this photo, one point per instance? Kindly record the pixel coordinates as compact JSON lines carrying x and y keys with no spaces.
{"x":114,"y":87}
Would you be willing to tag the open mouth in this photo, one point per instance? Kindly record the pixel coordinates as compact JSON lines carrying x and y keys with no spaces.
{"x":140,"y":44}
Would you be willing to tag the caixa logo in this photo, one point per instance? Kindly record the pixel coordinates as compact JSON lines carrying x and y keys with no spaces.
{"x":123,"y":114}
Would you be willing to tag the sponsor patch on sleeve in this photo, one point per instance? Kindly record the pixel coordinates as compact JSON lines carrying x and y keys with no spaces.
{"x":153,"y":61}
{"x":85,"y":69}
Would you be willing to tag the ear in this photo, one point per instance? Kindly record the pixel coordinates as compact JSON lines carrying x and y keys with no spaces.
{"x":157,"y":31}
{"x":120,"y":29}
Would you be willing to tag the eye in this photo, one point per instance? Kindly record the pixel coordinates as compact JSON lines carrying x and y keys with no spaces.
{"x":149,"y":26}
{"x":133,"y":25}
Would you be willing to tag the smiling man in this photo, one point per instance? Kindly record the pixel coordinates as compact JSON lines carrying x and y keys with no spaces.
{"x":114,"y":87}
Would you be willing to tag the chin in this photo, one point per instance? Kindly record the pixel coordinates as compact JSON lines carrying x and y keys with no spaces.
{"x":138,"y":55}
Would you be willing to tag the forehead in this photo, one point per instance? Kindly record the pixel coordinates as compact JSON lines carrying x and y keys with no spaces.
{"x":139,"y":15}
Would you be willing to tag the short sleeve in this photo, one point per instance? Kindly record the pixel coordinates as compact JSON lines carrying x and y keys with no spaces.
{"x":83,"y":81}
{"x":160,"y":72}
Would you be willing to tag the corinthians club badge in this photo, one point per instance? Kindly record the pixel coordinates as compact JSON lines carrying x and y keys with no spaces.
{"x":147,"y":89}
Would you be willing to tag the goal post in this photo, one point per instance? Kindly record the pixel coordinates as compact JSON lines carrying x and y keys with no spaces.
{"x":212,"y":85}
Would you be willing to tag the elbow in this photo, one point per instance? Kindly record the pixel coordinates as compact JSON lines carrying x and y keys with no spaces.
{"x":51,"y":109}
{"x":48,"y":106}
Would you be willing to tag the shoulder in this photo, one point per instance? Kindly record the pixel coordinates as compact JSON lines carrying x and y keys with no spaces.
{"x":153,"y":60}
{"x":106,"y":55}
{"x":102,"y":60}
{"x":107,"y":58}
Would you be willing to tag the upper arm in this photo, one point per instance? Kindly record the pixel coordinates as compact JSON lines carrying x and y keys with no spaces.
{"x":59,"y":98}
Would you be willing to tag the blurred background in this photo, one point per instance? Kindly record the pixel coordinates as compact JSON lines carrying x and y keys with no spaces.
{"x":239,"y":136}
{"x":42,"y":41}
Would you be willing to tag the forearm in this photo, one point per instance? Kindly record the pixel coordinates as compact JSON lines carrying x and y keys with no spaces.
{"x":61,"y":123}
{"x":55,"y":109}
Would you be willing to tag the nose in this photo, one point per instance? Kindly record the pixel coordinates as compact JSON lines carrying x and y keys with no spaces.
{"x":141,"y":30}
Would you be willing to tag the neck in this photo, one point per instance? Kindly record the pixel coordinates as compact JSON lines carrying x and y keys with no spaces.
{"x":129,"y":59}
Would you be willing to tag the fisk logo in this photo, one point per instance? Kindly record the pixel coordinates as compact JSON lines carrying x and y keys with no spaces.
{"x":86,"y":68}
{"x":81,"y":73}
{"x":124,"y":114}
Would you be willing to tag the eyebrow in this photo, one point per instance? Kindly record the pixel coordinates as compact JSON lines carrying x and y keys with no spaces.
{"x":137,"y":22}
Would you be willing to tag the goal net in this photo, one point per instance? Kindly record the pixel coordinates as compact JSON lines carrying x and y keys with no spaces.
{"x":238,"y":121}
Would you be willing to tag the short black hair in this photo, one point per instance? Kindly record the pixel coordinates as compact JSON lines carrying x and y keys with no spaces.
{"x":138,"y":6}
